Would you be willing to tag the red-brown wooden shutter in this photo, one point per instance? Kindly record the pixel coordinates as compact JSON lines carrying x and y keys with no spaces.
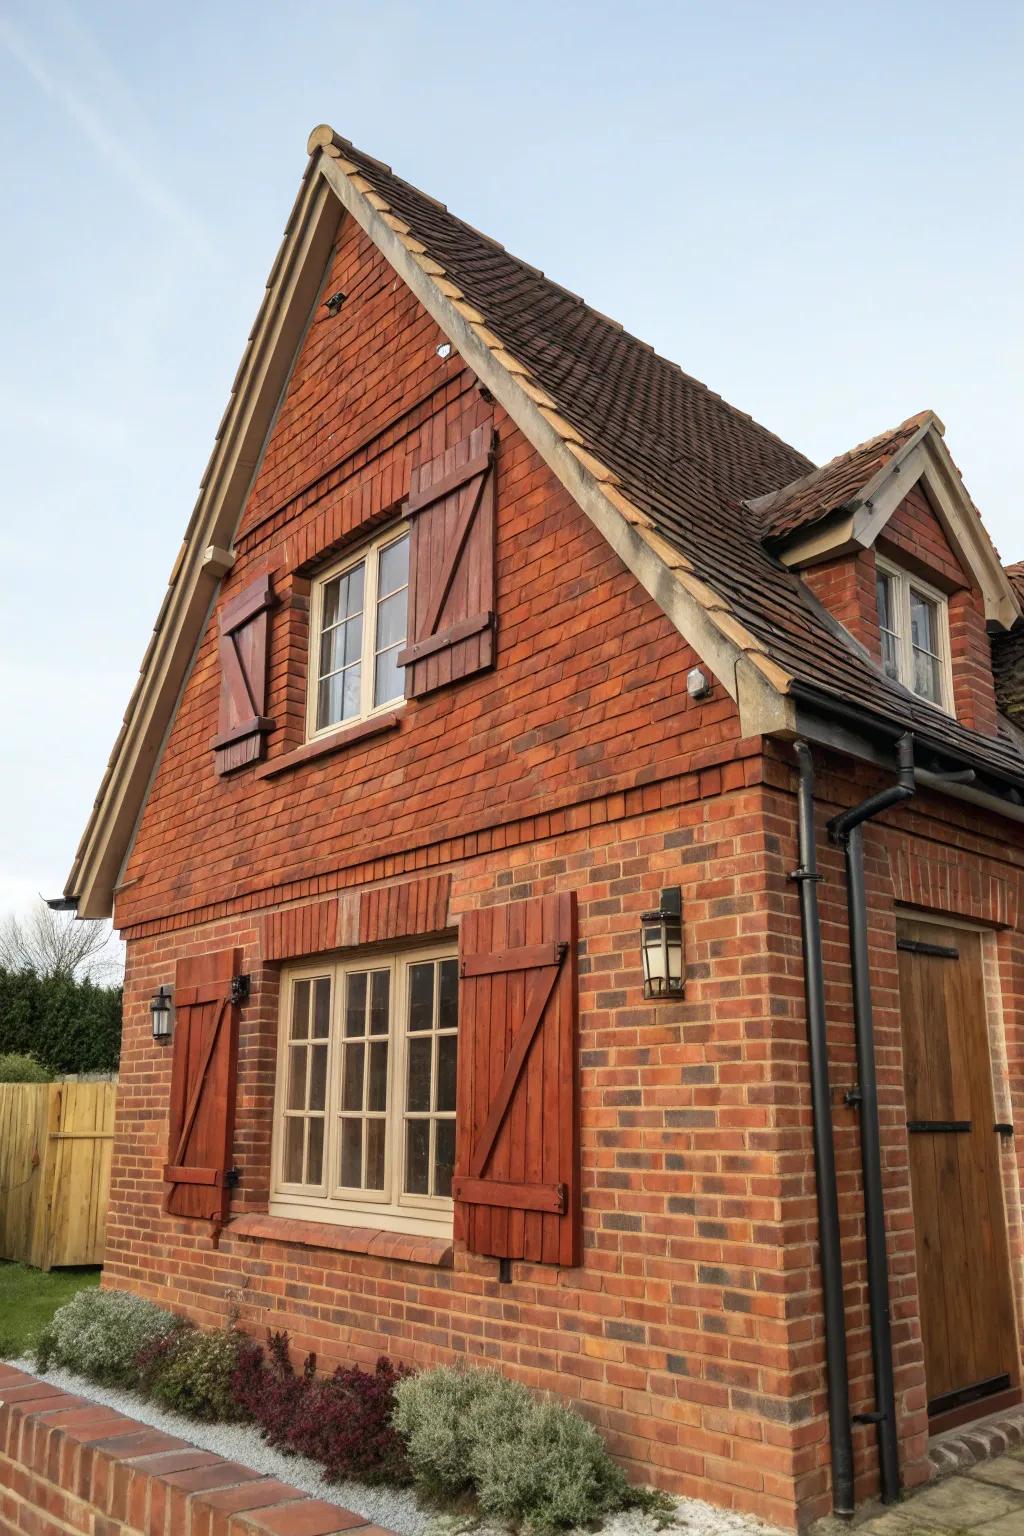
{"x":243,"y":726}
{"x":516,"y":1181}
{"x":451,"y":566}
{"x":203,"y":1086}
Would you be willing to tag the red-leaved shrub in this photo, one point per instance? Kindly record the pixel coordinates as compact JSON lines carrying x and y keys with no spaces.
{"x":341,"y":1421}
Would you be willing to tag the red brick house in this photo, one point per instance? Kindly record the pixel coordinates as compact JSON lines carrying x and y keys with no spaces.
{"x":492,"y":632}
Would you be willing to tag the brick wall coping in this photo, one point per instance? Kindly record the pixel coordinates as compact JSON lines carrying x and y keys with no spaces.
{"x":68,"y":1464}
{"x":378,"y":1244}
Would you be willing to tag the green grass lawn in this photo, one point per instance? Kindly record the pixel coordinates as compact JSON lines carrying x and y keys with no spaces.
{"x":30,"y":1297}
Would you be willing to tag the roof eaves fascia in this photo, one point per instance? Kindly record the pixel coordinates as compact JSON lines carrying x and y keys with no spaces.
{"x":703,"y":618}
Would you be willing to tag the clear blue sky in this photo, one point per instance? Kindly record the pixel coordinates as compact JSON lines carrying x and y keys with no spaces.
{"x":815,"y":208}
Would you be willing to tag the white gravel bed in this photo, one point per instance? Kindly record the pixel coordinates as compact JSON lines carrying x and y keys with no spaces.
{"x":397,"y":1509}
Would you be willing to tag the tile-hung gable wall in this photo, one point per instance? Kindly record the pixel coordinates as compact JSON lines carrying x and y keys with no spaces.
{"x":690,"y":1327}
{"x":914,"y":538}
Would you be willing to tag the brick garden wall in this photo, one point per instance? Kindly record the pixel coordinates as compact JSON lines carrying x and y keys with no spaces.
{"x":69,"y":1466}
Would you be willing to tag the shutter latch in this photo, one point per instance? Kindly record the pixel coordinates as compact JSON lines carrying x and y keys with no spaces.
{"x":239,"y":990}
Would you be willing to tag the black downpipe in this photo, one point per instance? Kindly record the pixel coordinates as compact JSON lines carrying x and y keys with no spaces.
{"x":840,"y":1435}
{"x":845,"y":830}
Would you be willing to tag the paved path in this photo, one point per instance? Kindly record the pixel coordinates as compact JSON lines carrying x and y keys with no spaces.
{"x":986,"y":1500}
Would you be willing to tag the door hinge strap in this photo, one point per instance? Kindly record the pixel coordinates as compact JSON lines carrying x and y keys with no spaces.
{"x":948,"y":1127}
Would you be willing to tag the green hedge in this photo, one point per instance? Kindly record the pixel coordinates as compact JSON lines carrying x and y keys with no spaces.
{"x":69,"y":1026}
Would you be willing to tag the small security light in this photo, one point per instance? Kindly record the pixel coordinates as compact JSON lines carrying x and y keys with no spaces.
{"x":698,"y":684}
{"x":444,"y":350}
{"x":160,"y":1013}
{"x":661,"y":946}
{"x":334,"y":303}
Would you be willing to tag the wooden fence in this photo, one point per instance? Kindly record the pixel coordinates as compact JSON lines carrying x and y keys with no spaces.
{"x":55,"y":1146}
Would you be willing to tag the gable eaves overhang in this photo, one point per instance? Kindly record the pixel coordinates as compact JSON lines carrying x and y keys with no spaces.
{"x":861,"y":521}
{"x":331,"y":186}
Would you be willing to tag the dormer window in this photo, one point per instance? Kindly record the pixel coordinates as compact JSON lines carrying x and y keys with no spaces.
{"x":913,"y":622}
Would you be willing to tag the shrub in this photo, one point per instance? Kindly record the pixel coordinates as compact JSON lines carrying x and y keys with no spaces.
{"x":100,"y":1334}
{"x":531,"y":1462}
{"x":342,"y":1421}
{"x":15,"y":1068}
{"x":191,"y":1372}
{"x":68,"y":1025}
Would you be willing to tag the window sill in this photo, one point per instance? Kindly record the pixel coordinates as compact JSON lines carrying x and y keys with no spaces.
{"x":404,"y":1247}
{"x":360,"y":730}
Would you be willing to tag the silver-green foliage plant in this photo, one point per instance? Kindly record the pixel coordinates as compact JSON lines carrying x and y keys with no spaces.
{"x":533,"y":1462}
{"x":99,"y":1335}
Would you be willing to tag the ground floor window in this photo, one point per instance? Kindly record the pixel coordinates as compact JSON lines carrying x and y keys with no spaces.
{"x":365,"y":1101}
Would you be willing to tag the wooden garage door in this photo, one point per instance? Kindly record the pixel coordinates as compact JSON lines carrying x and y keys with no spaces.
{"x":960,"y":1230}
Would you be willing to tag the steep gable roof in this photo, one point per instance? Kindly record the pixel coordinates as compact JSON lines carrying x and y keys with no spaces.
{"x":664,"y":467}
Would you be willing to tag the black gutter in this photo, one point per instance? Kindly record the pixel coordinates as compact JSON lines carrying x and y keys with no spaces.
{"x":840,"y":1434}
{"x":845,"y":830}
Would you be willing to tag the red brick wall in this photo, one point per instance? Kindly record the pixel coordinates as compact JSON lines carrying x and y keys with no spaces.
{"x":692,"y":1330}
{"x":68,"y":1464}
{"x":846,"y":587}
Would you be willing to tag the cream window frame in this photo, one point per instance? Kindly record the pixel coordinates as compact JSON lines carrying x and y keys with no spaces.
{"x":391,"y":1209}
{"x":903,"y":584}
{"x":370,"y":553}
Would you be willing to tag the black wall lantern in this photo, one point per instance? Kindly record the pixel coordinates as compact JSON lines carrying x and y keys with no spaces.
{"x":160,"y":1012}
{"x":661,"y":946}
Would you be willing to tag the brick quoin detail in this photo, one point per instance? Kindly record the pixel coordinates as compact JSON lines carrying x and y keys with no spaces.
{"x":691,"y":1333}
{"x":67,"y":1464}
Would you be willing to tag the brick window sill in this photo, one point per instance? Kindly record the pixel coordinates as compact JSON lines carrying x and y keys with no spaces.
{"x":404,"y":1247}
{"x":310,"y":751}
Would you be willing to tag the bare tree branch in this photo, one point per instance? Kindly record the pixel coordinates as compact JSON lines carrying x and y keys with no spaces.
{"x":59,"y":944}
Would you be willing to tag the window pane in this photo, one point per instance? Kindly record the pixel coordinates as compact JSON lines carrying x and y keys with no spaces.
{"x":355,"y":1004}
{"x":421,"y":996}
{"x":352,"y":1091}
{"x":352,"y":1154}
{"x":886,"y":611}
{"x":297,"y":1077}
{"x":343,"y":596}
{"x":389,"y":682}
{"x":318,"y":1076}
{"x":294,"y":1139}
{"x":391,"y":621}
{"x":448,"y":1001}
{"x":923,"y":622}
{"x":927,"y":680}
{"x":315,"y":1152}
{"x":394,"y":566}
{"x":377,"y":1087}
{"x":890,"y":654}
{"x":417,"y":1157}
{"x":380,"y":996}
{"x":418,"y":1097}
{"x":375,"y":1154}
{"x":444,"y":1156}
{"x":300,"y":1010}
{"x":447,"y":1046}
{"x":322,"y":1007}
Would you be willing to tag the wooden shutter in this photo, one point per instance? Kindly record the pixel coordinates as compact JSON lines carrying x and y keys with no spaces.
{"x":451,"y":566}
{"x":517,"y":1141}
{"x":203,"y":1086}
{"x":243,"y":677}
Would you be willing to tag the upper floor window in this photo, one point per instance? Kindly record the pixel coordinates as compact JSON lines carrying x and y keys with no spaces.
{"x":365,"y":1103}
{"x":358,"y":625}
{"x":913,"y":621}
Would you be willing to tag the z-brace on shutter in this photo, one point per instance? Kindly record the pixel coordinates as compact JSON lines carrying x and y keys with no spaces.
{"x":243,"y":677}
{"x":517,"y":1185}
{"x":203,"y":1086}
{"x":451,"y":566}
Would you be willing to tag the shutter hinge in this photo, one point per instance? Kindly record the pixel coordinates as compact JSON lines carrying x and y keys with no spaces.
{"x":239,"y":990}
